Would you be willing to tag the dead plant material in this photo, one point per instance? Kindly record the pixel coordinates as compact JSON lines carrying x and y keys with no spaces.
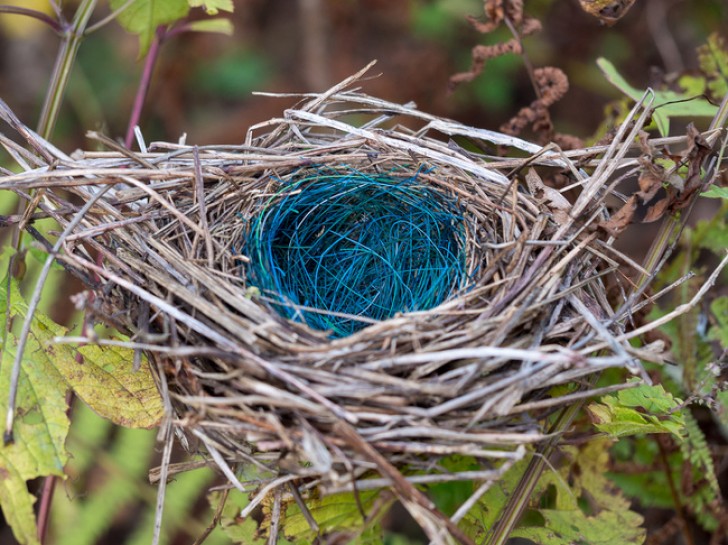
{"x":552,"y":85}
{"x":663,"y":191}
{"x":382,"y":407}
{"x":607,"y":11}
{"x":497,"y":12}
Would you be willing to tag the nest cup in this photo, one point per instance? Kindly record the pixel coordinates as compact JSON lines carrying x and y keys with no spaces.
{"x":268,"y":367}
{"x":339,"y":249}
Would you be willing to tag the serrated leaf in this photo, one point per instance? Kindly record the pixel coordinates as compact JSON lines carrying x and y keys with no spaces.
{"x":570,"y":527}
{"x":666,"y":104}
{"x":556,"y":512}
{"x":643,"y":409}
{"x":332,"y":513}
{"x":212,"y":7}
{"x":105,"y":381}
{"x":114,"y":390}
{"x":610,"y":520}
{"x":489,"y":508}
{"x":218,"y":25}
{"x":40,"y":427}
{"x":716,"y":192}
{"x":143,"y":17}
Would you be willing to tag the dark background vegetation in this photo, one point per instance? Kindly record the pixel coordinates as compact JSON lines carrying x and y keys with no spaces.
{"x":202,"y":88}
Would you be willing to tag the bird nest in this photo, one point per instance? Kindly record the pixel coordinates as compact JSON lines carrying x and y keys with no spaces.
{"x":289,"y":332}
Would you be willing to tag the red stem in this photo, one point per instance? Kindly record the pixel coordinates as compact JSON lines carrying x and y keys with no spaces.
{"x":49,"y":486}
{"x":44,"y":511}
{"x":141,"y":94}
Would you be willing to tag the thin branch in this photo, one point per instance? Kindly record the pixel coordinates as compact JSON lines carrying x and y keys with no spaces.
{"x":38,"y":15}
{"x":33,"y":305}
{"x":109,"y":18}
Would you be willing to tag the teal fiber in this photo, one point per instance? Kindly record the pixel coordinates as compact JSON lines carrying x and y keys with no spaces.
{"x":364,"y":245}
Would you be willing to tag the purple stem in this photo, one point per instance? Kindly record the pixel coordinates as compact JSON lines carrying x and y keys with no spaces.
{"x":141,"y":94}
{"x":39,"y":15}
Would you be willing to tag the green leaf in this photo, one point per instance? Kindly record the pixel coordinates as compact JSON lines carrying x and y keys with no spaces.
{"x":706,"y":492}
{"x":719,"y":332}
{"x":567,"y":527}
{"x":643,"y":409}
{"x":713,"y":58}
{"x":17,"y":503}
{"x":213,"y":6}
{"x":218,"y":25}
{"x":105,"y":380}
{"x":143,"y":17}
{"x":110,"y":386}
{"x":239,"y":531}
{"x":332,"y":514}
{"x":575,"y":504}
{"x":666,"y":103}
{"x":40,"y":426}
{"x":608,"y":519}
{"x":716,"y":192}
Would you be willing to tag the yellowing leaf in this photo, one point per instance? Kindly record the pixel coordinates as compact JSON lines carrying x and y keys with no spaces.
{"x":17,"y":503}
{"x":114,"y":390}
{"x":218,"y":25}
{"x":213,"y":6}
{"x":575,"y":503}
{"x":40,"y":427}
{"x":106,"y":380}
{"x":332,"y":513}
{"x":20,"y":26}
{"x":143,"y":17}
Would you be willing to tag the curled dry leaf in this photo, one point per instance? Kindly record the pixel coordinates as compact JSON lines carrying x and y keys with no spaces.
{"x":497,"y":12}
{"x":552,"y":86}
{"x":607,"y":11}
{"x":662,"y":191}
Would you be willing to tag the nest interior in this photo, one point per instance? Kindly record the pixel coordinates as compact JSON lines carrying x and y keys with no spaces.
{"x":355,"y":248}
{"x":161,"y":243}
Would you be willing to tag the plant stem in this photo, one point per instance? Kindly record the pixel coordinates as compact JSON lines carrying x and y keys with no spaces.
{"x":522,"y":493}
{"x":687,"y":536}
{"x":149,"y":62}
{"x":39,"y":15}
{"x":62,"y":69}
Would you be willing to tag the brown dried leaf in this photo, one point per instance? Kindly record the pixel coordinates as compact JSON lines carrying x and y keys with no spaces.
{"x":553,"y":85}
{"x":496,"y":12}
{"x":696,"y":153}
{"x":480,"y":55}
{"x":607,"y":11}
{"x":622,"y":218}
